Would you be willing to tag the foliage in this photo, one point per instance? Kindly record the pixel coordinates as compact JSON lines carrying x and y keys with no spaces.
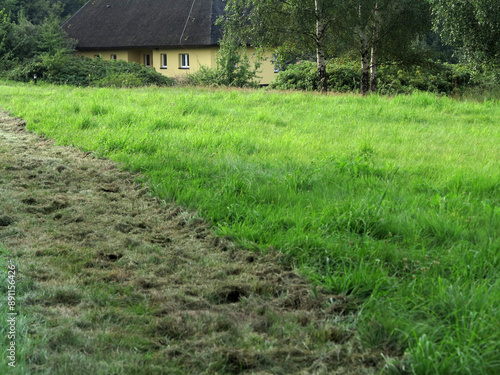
{"x":431,"y":46}
{"x":300,"y":76}
{"x":234,"y":65}
{"x":384,"y":31}
{"x":51,"y":39}
{"x":62,"y":68}
{"x":37,"y":11}
{"x":343,"y":76}
{"x":5,"y":31}
{"x":42,"y":49}
{"x":234,"y":68}
{"x":383,"y":28}
{"x":472,"y":26}
{"x":295,"y":26}
{"x":392,"y":34}
{"x":205,"y":76}
{"x":22,"y":40}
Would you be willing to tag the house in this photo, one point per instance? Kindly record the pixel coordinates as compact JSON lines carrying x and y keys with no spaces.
{"x":175,"y":37}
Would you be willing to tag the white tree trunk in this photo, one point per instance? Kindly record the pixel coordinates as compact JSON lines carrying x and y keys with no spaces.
{"x":320,"y":53}
{"x":373,"y":70}
{"x":365,"y":63}
{"x":373,"y":65}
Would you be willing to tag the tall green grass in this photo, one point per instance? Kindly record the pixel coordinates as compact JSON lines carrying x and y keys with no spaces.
{"x":391,"y":200}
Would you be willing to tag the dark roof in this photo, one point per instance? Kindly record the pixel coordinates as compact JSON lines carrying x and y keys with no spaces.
{"x":108,"y":24}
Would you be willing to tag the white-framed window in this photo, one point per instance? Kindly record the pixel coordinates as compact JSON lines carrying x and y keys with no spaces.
{"x":147,"y":60}
{"x":113,"y":56}
{"x":184,"y":63}
{"x":164,"y":61}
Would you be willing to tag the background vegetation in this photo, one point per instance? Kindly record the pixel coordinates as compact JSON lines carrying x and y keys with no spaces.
{"x":392,"y":201}
{"x":456,"y":80}
{"x":31,"y":42}
{"x":83,"y":71}
{"x":403,"y":58}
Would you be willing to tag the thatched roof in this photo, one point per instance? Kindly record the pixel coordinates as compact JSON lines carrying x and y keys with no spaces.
{"x":110,"y":24}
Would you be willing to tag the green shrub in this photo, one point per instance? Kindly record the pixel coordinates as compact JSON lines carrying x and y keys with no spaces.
{"x":300,"y":76}
{"x":205,"y":76}
{"x":344,"y":76}
{"x":234,"y":68}
{"x":83,"y":71}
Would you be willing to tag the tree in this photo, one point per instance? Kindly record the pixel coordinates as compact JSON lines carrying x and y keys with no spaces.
{"x":385,"y":31}
{"x":22,"y":40}
{"x":294,"y":26}
{"x":473,"y":26}
{"x":374,"y":28}
{"x":233,"y":65}
{"x":52,"y":39}
{"x":36,"y":11}
{"x":5,"y":36}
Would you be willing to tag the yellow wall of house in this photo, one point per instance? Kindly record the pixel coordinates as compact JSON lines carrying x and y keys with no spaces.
{"x":136,"y":56}
{"x":197,"y":58}
{"x":266,"y":72}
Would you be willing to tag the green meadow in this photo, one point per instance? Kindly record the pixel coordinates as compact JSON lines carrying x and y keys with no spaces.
{"x":391,"y":200}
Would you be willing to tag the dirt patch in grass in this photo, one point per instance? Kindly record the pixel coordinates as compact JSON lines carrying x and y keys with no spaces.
{"x":124,"y":283}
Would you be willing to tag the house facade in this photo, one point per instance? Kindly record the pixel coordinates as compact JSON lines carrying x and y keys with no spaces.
{"x":174,"y":37}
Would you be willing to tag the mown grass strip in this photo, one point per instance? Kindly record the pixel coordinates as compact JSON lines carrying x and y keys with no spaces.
{"x":394,"y":200}
{"x":16,"y":344}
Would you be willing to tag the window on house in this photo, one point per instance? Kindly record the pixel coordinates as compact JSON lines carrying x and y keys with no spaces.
{"x":97,"y":56}
{"x":184,"y":61}
{"x":164,"y":61}
{"x":113,"y":57}
{"x":147,"y":60}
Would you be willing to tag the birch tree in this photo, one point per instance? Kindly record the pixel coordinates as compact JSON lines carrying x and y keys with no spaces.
{"x":473,"y":26}
{"x":384,"y":32}
{"x":293,"y":25}
{"x":379,"y":30}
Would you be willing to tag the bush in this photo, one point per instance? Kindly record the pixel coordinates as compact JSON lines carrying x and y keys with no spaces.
{"x":344,"y":76}
{"x":432,"y":77}
{"x":83,"y":71}
{"x":234,"y":68}
{"x":300,"y":76}
{"x":205,"y":76}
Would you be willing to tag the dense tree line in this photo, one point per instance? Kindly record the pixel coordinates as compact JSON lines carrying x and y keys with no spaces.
{"x":471,"y":26}
{"x":32,"y":43}
{"x":376,"y":33}
{"x":37,"y":11}
{"x":30,"y":28}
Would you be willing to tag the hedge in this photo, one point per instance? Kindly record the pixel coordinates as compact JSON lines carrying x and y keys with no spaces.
{"x":84,"y":71}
